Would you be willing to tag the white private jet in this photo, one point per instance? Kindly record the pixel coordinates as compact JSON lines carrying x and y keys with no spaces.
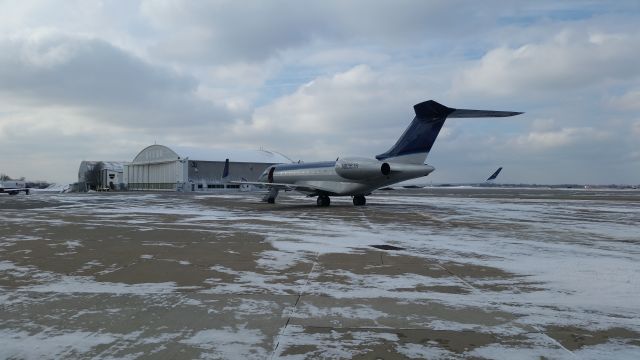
{"x":358,"y":177}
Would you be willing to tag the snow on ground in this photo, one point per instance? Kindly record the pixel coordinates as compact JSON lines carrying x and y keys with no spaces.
{"x":81,"y":284}
{"x":48,"y":344}
{"x":230,"y":343}
{"x":557,"y":262}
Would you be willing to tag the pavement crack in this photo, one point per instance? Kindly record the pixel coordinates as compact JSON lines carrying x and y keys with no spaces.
{"x":459,"y":278}
{"x":294,"y":308}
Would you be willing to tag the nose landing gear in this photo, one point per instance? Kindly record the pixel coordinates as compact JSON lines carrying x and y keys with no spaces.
{"x":359,"y":200}
{"x":271,"y":196}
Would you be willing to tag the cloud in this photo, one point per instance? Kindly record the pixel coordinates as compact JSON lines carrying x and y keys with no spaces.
{"x":48,"y":143}
{"x":545,"y":140}
{"x":228,"y":31}
{"x":572,"y":60}
{"x":628,"y":101}
{"x":45,"y":67}
{"x":100,"y":80}
{"x":360,"y":109}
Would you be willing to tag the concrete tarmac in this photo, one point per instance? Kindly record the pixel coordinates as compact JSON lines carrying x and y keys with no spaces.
{"x":417,"y":273}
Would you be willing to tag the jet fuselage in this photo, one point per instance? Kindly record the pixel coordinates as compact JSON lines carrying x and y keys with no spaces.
{"x":343,"y":177}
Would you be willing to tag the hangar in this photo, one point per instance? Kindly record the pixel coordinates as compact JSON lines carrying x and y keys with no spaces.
{"x":160,"y":168}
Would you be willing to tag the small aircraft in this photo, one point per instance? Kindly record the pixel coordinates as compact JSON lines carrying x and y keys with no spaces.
{"x":13,"y":187}
{"x":359,"y":177}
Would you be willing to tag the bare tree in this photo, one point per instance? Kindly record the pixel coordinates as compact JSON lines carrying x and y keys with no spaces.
{"x":93,"y":176}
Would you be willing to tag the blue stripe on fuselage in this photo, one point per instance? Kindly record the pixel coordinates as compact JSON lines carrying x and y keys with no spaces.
{"x":312,"y":165}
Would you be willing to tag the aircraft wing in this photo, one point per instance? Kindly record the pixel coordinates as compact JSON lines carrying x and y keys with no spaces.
{"x":282,"y":186}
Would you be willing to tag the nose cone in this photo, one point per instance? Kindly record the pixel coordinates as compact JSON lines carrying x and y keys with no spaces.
{"x":265,"y":175}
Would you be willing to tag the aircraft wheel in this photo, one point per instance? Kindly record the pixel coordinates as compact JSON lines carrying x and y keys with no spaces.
{"x":26,"y":192}
{"x":13,"y":193}
{"x":323,"y":200}
{"x":271,"y":200}
{"x":359,"y":200}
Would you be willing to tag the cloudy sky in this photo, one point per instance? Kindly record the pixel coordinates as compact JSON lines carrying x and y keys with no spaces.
{"x":100,"y":80}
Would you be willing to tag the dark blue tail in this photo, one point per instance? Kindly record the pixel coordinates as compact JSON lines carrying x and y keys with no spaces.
{"x":416,"y":141}
{"x":225,"y":171}
{"x":495,"y":174}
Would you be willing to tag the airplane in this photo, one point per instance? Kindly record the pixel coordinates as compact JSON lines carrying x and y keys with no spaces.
{"x":13,"y":187}
{"x":358,"y":177}
{"x":494,"y":175}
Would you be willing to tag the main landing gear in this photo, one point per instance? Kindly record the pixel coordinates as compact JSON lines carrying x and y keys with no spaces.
{"x":323,"y":200}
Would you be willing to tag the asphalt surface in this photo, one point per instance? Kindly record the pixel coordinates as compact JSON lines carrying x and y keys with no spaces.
{"x":457,"y":273}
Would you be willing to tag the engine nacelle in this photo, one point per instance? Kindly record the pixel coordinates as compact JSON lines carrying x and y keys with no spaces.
{"x":361,"y":168}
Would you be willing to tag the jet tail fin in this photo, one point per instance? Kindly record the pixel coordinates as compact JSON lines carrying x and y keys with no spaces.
{"x":225,"y":171}
{"x":416,"y":141}
{"x":495,"y":174}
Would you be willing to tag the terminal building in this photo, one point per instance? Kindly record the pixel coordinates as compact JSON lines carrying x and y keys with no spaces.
{"x":160,"y":168}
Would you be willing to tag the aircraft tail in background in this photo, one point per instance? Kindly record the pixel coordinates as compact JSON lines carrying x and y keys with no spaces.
{"x":225,"y":171}
{"x":495,"y":174}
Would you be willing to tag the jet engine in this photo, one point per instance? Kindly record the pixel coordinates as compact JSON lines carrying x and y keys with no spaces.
{"x":361,"y":168}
